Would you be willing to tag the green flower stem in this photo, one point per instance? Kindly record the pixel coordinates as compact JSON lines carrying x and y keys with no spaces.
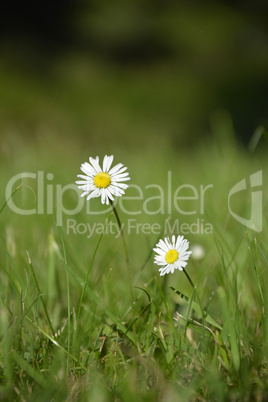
{"x":125,"y":248}
{"x":189,"y":279}
{"x":194,"y":288}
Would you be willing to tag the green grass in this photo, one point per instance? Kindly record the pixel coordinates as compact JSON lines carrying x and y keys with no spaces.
{"x":68,"y":329}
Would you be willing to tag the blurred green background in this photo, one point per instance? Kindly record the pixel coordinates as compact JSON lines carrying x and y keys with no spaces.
{"x":91,"y":75}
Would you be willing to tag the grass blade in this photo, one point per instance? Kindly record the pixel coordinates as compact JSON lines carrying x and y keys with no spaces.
{"x":56,"y":343}
{"x":28,"y":369}
{"x":197,"y":309}
{"x":39,"y":291}
{"x":230,"y":329}
{"x":68,"y":302}
{"x":5,"y":204}
{"x":99,"y":303}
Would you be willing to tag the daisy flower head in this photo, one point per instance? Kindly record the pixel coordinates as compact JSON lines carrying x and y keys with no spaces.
{"x":172,"y":254}
{"x":105,"y":182}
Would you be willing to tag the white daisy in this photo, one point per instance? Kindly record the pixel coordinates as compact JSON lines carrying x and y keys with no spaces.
{"x":102,"y":182}
{"x":172,"y":255}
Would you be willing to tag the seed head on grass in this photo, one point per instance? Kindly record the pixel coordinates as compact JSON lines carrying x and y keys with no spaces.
{"x":104,"y":182}
{"x":172,"y":254}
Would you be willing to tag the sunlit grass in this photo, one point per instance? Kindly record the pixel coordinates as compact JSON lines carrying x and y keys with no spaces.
{"x":172,"y":344}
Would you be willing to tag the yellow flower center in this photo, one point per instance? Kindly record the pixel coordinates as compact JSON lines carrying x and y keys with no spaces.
{"x":102,"y":180}
{"x":171,"y":256}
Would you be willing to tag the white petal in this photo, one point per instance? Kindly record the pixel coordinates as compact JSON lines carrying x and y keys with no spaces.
{"x":107,"y":161}
{"x":103,"y":196}
{"x":167,"y":241}
{"x":164,"y":270}
{"x":84,"y":183}
{"x":184,"y":257}
{"x":87,"y":188}
{"x":94,"y":194}
{"x":109,"y":194}
{"x":95,"y":164}
{"x":115,"y":168}
{"x":184,"y":246}
{"x":120,"y":171}
{"x":120,"y":176}
{"x":119,"y":179}
{"x":161,"y":252}
{"x":121,"y":185}
{"x":116,"y":190}
{"x":82,"y":176}
{"x":178,"y":242}
{"x":163,"y":245}
{"x":88,"y":170}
